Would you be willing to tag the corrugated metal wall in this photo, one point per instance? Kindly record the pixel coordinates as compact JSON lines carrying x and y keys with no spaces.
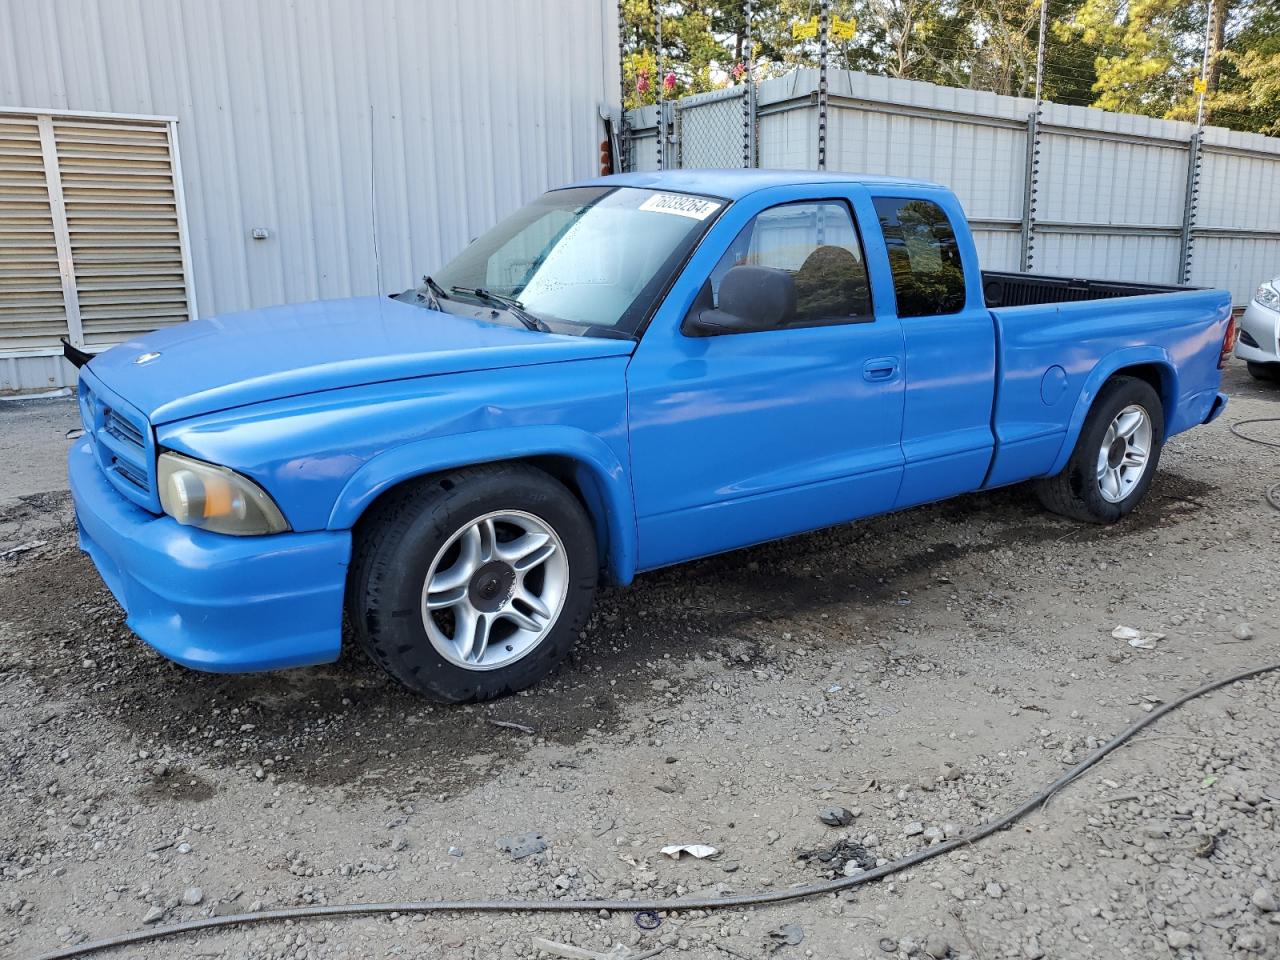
{"x":371,"y":138}
{"x":1238,"y":217}
{"x":1110,"y":190}
{"x":642,"y":151}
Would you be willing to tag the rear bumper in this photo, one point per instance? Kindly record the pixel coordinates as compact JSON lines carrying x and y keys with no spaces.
{"x":1215,"y":410}
{"x":209,"y":601}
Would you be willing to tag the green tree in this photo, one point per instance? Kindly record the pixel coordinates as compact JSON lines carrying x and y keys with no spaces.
{"x":703,"y":43}
{"x":1247,"y":95}
{"x":690,"y":51}
{"x":856,"y":54}
{"x":1003,"y":58}
{"x":1136,"y":56}
{"x":1069,"y":62}
{"x":1147,"y":51}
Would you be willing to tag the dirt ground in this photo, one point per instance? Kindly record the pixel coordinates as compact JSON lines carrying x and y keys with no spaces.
{"x":926,"y":670}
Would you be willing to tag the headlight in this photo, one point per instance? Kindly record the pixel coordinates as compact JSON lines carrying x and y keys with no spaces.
{"x":215,"y":498}
{"x":1268,"y":296}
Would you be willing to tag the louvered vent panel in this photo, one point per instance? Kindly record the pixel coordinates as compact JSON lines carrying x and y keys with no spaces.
{"x":32,"y":313}
{"x":122,"y":218}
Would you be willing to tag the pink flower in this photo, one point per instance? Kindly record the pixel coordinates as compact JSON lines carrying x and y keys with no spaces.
{"x":669,"y":82}
{"x":642,"y":82}
{"x":738,"y":70}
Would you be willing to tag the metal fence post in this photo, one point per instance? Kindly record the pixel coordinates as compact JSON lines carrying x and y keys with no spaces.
{"x":1186,"y":253}
{"x":661,"y":80}
{"x":1031,"y":183}
{"x":672,"y":116}
{"x":824,"y":37}
{"x":624,"y":122}
{"x":1195,"y":158}
{"x":1029,"y":187}
{"x":748,"y":93}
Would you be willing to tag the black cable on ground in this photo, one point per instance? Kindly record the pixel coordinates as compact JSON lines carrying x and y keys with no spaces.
{"x":682,"y":903}
{"x":1273,"y":492}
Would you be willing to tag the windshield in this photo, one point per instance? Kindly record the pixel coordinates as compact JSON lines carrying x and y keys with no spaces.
{"x":586,"y":257}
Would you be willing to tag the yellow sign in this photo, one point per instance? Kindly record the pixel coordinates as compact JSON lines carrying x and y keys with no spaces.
{"x":843,"y":29}
{"x":1200,"y":86}
{"x":802,"y":31}
{"x":839,"y":29}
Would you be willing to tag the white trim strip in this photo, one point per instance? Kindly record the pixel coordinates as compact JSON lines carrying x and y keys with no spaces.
{"x":184,"y":238}
{"x":27,"y":353}
{"x":61,"y":234}
{"x":88,"y":114}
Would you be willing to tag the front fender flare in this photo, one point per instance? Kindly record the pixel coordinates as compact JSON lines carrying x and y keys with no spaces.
{"x":610,"y":504}
{"x":1104,"y":370}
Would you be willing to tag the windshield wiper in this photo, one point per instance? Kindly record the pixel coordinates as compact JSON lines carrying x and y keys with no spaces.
{"x":511,"y":304}
{"x":436,"y":291}
{"x":435,"y":288}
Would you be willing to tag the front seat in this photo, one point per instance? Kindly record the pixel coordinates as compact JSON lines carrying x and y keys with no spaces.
{"x":831,"y":284}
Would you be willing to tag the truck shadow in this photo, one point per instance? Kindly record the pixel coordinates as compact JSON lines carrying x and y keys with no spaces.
{"x":858,"y":562}
{"x":348,"y":725}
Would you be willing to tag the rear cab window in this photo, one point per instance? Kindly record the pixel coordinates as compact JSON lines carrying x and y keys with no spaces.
{"x":924,"y":256}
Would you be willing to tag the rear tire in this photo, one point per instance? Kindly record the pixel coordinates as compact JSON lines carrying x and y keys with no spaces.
{"x":1104,"y":480}
{"x":1269,"y":372}
{"x":473,"y":584}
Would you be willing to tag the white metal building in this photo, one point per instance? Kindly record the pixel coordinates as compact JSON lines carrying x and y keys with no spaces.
{"x":161,"y":159}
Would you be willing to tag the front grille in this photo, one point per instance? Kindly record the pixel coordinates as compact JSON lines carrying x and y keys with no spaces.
{"x":122,"y":429}
{"x":131,"y":473}
{"x":121,"y":439}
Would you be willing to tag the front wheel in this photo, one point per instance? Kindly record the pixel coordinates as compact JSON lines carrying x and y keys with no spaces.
{"x":474,"y":584}
{"x":1115,"y":457}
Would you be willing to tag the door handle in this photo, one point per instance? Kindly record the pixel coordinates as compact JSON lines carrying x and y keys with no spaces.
{"x":882,"y":368}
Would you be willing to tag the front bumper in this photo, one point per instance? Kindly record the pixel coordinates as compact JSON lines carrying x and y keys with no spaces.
{"x":206,"y":600}
{"x":1262,"y":325}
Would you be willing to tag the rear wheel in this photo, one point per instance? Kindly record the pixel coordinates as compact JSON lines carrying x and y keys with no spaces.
{"x":473,"y":584}
{"x":1115,"y":457}
{"x":1264,"y":371}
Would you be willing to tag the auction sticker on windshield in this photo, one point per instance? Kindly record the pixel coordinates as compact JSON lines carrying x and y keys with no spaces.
{"x":681,"y":204}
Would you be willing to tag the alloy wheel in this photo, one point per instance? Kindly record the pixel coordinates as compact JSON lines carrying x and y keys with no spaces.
{"x":495,"y":589}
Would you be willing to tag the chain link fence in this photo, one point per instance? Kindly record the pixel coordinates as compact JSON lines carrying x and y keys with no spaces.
{"x":711,"y":129}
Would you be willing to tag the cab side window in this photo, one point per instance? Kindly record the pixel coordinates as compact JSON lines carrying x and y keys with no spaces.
{"x":924,"y":257}
{"x":817,"y":243}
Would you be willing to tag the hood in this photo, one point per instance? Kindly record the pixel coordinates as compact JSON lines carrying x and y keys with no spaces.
{"x":241,"y":358}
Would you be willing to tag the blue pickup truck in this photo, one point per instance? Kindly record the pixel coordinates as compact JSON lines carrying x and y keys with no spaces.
{"x":629,"y":372}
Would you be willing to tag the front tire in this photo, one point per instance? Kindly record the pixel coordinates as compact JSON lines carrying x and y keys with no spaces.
{"x":1115,"y":457}
{"x":473,"y":584}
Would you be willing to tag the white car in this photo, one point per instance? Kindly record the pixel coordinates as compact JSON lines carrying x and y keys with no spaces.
{"x":1259,"y":341}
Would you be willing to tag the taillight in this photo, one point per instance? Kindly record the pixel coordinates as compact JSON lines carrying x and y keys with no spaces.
{"x":1228,"y":342}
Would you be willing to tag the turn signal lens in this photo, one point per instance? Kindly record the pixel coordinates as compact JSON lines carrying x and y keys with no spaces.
{"x":1228,"y":343}
{"x":215,"y":498}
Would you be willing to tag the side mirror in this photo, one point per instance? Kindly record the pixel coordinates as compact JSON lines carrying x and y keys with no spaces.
{"x":751,"y":299}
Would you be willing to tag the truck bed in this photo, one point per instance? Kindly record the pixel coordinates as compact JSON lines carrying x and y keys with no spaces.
{"x":1052,"y":362}
{"x":1001,"y":289}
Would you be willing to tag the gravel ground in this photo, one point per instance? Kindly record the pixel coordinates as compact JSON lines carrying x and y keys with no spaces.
{"x":925,"y":671}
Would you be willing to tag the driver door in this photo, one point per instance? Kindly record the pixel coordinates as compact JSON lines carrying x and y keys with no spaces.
{"x":745,"y":437}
